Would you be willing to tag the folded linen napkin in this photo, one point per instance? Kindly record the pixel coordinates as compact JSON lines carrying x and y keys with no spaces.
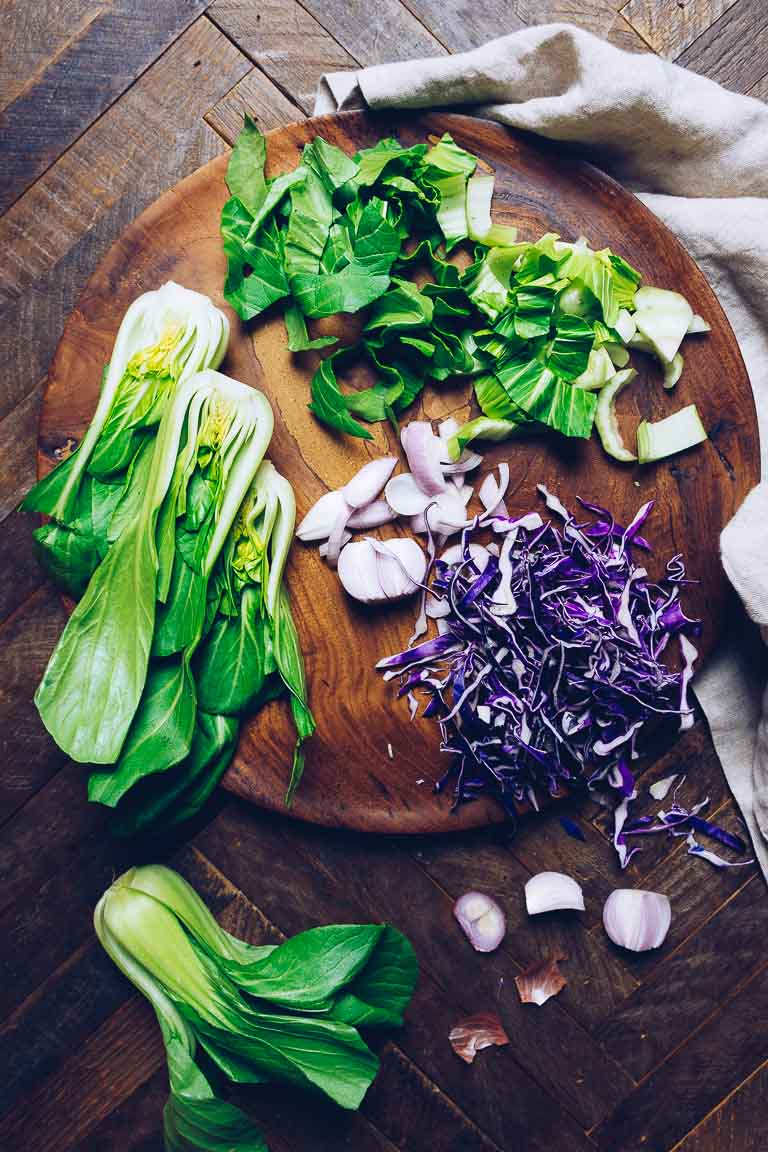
{"x":697,"y":155}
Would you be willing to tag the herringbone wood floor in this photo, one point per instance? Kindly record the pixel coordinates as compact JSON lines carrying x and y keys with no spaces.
{"x":105,"y":103}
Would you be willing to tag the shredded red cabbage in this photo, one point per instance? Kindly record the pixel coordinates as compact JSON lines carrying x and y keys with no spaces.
{"x":550,"y":659}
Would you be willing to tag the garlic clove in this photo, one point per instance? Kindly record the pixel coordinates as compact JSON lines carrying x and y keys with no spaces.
{"x":637,"y":920}
{"x":366,"y":484}
{"x":552,"y":891}
{"x":481,"y":919}
{"x":319,"y":521}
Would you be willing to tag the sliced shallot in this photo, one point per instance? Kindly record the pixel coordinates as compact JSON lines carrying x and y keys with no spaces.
{"x":637,"y":920}
{"x":366,"y":484}
{"x":424,"y":451}
{"x":373,"y":515}
{"x":552,"y":891}
{"x":481,"y":919}
{"x":404,"y":495}
{"x":319,"y":521}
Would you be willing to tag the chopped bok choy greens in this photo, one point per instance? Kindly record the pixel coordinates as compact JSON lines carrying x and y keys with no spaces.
{"x":233,"y":1012}
{"x":538,"y":327}
{"x":166,"y":336}
{"x":192,"y":589}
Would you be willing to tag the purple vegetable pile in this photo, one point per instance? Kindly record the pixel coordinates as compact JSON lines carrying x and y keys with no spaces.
{"x":550,"y":657}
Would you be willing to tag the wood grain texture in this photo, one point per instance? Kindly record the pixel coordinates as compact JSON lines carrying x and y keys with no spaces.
{"x":739,"y":1124}
{"x":734,"y":49}
{"x":357,"y":716}
{"x":287,"y":43}
{"x":260,"y":98}
{"x":669,"y":26}
{"x":79,"y":1072}
{"x":82,"y":77}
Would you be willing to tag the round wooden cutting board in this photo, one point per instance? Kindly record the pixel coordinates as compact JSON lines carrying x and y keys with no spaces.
{"x":367,"y":767}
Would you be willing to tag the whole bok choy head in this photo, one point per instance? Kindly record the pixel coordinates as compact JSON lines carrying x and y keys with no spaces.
{"x":166,"y":336}
{"x":250,"y":1015}
{"x":247,"y":653}
{"x":211,"y":441}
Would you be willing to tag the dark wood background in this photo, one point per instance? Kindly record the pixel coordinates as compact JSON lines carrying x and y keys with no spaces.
{"x":104,"y":105}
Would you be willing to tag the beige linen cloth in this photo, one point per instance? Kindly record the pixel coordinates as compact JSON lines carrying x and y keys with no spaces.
{"x":697,"y":154}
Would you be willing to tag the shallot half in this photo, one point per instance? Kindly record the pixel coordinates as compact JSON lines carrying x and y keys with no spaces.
{"x":481,"y":919}
{"x":637,"y":920}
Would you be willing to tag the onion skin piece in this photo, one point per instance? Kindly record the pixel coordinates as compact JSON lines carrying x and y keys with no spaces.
{"x":470,"y":1035}
{"x":481,"y":920}
{"x":552,"y":892}
{"x":637,"y":920}
{"x":541,"y":981}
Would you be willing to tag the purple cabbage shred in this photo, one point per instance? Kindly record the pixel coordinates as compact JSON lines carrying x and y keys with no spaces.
{"x":550,"y":661}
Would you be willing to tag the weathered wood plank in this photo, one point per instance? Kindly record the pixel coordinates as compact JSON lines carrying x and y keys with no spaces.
{"x":20,"y":574}
{"x":28,"y":756}
{"x":286,"y":42}
{"x":276,"y":863}
{"x":375,"y":33}
{"x":722,"y":956}
{"x":80,"y":80}
{"x":597,"y":16}
{"x":260,"y":98}
{"x":716,"y":1060}
{"x":83,"y":217}
{"x":18,"y":439}
{"x":739,"y":1124}
{"x":31,"y":39}
{"x":144,"y":143}
{"x":460,"y":26}
{"x":39,"y":1037}
{"x":67,"y":1106}
{"x":733,"y":50}
{"x":669,"y":26}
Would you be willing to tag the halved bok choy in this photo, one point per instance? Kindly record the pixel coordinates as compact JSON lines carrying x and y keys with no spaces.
{"x":165,"y":337}
{"x":246,"y":654}
{"x":144,"y":608}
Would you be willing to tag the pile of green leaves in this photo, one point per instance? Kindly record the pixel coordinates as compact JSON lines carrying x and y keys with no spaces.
{"x":185,"y":624}
{"x":533,"y":324}
{"x":233,"y":1012}
{"x":166,"y":336}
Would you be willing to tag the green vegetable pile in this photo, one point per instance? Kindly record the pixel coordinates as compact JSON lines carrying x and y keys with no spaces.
{"x":184,"y":626}
{"x":540,"y":327}
{"x":229,"y":1011}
